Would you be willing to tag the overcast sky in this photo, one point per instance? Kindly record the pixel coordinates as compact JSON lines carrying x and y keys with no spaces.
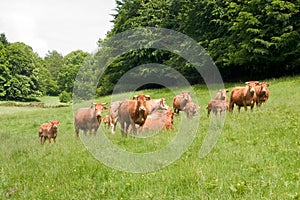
{"x":61,"y":25}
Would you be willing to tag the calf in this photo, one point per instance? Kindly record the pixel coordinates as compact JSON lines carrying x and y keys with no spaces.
{"x":106,"y":121}
{"x":191,"y":109}
{"x":48,"y":131}
{"x":113,"y":115}
{"x":179,"y":101}
{"x":219,"y":106}
{"x":132,"y":112}
{"x":243,"y":96}
{"x":89,"y":119}
{"x":159,"y":120}
{"x":221,"y":96}
{"x":262,"y":93}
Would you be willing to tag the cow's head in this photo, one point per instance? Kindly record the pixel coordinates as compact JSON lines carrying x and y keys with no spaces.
{"x":54,"y":124}
{"x":264,"y":87}
{"x":251,"y":86}
{"x":221,"y":95}
{"x":99,"y":107}
{"x":186,"y":96}
{"x":141,"y":101}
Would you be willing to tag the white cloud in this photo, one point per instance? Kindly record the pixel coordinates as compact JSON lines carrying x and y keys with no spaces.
{"x":62,"y":25}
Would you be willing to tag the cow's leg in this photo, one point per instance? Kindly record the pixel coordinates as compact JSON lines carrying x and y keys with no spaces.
{"x":41,"y":139}
{"x":49,"y":140}
{"x":54,"y":139}
{"x":123,"y":128}
{"x":239,"y":109}
{"x":245,"y":106}
{"x":77,"y":131}
{"x":252,"y":106}
{"x":231,"y":106}
{"x":44,"y":139}
{"x":112,"y":128}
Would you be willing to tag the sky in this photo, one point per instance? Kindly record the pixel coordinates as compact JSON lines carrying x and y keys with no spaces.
{"x":61,"y":25}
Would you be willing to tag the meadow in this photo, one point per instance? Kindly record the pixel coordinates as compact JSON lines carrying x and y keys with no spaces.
{"x":256,"y":156}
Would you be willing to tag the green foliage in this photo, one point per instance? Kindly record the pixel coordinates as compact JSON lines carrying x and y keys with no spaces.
{"x":68,"y":72}
{"x":21,"y":72}
{"x":249,"y":39}
{"x":65,"y":97}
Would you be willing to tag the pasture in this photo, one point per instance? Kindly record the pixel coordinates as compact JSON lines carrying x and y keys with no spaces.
{"x":257,"y":155}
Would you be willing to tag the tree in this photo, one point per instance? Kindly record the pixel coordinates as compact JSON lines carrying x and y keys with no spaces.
{"x":24,"y":70}
{"x":4,"y":71}
{"x":67,"y":74}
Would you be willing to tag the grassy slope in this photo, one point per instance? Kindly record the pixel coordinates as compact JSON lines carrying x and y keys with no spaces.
{"x":257,"y":156}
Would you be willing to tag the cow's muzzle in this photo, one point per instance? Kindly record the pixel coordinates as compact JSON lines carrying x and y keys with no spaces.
{"x":142,"y":108}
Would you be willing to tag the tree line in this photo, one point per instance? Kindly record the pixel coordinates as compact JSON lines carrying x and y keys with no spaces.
{"x":253,"y":39}
{"x":24,"y":75}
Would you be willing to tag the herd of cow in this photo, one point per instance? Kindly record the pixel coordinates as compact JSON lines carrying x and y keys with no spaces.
{"x":143,"y":114}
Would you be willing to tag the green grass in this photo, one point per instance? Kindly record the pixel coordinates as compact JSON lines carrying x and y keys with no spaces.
{"x":257,"y":155}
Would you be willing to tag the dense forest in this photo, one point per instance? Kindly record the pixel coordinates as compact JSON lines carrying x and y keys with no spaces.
{"x":253,"y":39}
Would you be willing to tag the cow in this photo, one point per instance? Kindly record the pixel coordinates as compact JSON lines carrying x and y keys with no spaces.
{"x":191,"y":110}
{"x":113,"y":115}
{"x":106,"y":121}
{"x":243,"y":96}
{"x":89,"y":119}
{"x":221,"y":96}
{"x":132,"y":112}
{"x":156,"y":104}
{"x":179,"y":101}
{"x":262,"y":93}
{"x":48,"y":131}
{"x":159,"y":120}
{"x":219,"y":106}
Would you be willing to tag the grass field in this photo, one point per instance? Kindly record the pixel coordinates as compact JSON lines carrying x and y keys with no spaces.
{"x":257,"y":155}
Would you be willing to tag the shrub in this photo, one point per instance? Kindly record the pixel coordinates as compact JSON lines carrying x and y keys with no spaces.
{"x":65,"y":97}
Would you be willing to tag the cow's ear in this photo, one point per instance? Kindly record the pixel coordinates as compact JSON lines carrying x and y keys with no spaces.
{"x":105,"y":108}
{"x":147,"y":97}
{"x":134,"y":97}
{"x":268,"y":84}
{"x":227,"y":90}
{"x":257,"y":83}
{"x":246,"y":83}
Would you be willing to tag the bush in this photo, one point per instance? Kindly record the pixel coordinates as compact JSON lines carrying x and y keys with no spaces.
{"x":65,"y":97}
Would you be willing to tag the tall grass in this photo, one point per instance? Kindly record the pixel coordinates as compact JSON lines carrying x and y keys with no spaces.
{"x":257,"y":155}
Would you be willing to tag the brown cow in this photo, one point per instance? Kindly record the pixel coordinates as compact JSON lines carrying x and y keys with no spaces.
{"x":191,"y":109}
{"x":48,"y":131}
{"x":243,"y":96}
{"x":156,"y":104}
{"x":262,"y":93}
{"x":219,"y":106}
{"x":106,"y":121}
{"x":159,"y":120}
{"x":179,"y":101}
{"x":89,"y":119}
{"x":113,"y":115}
{"x":132,"y":112}
{"x":220,"y":96}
